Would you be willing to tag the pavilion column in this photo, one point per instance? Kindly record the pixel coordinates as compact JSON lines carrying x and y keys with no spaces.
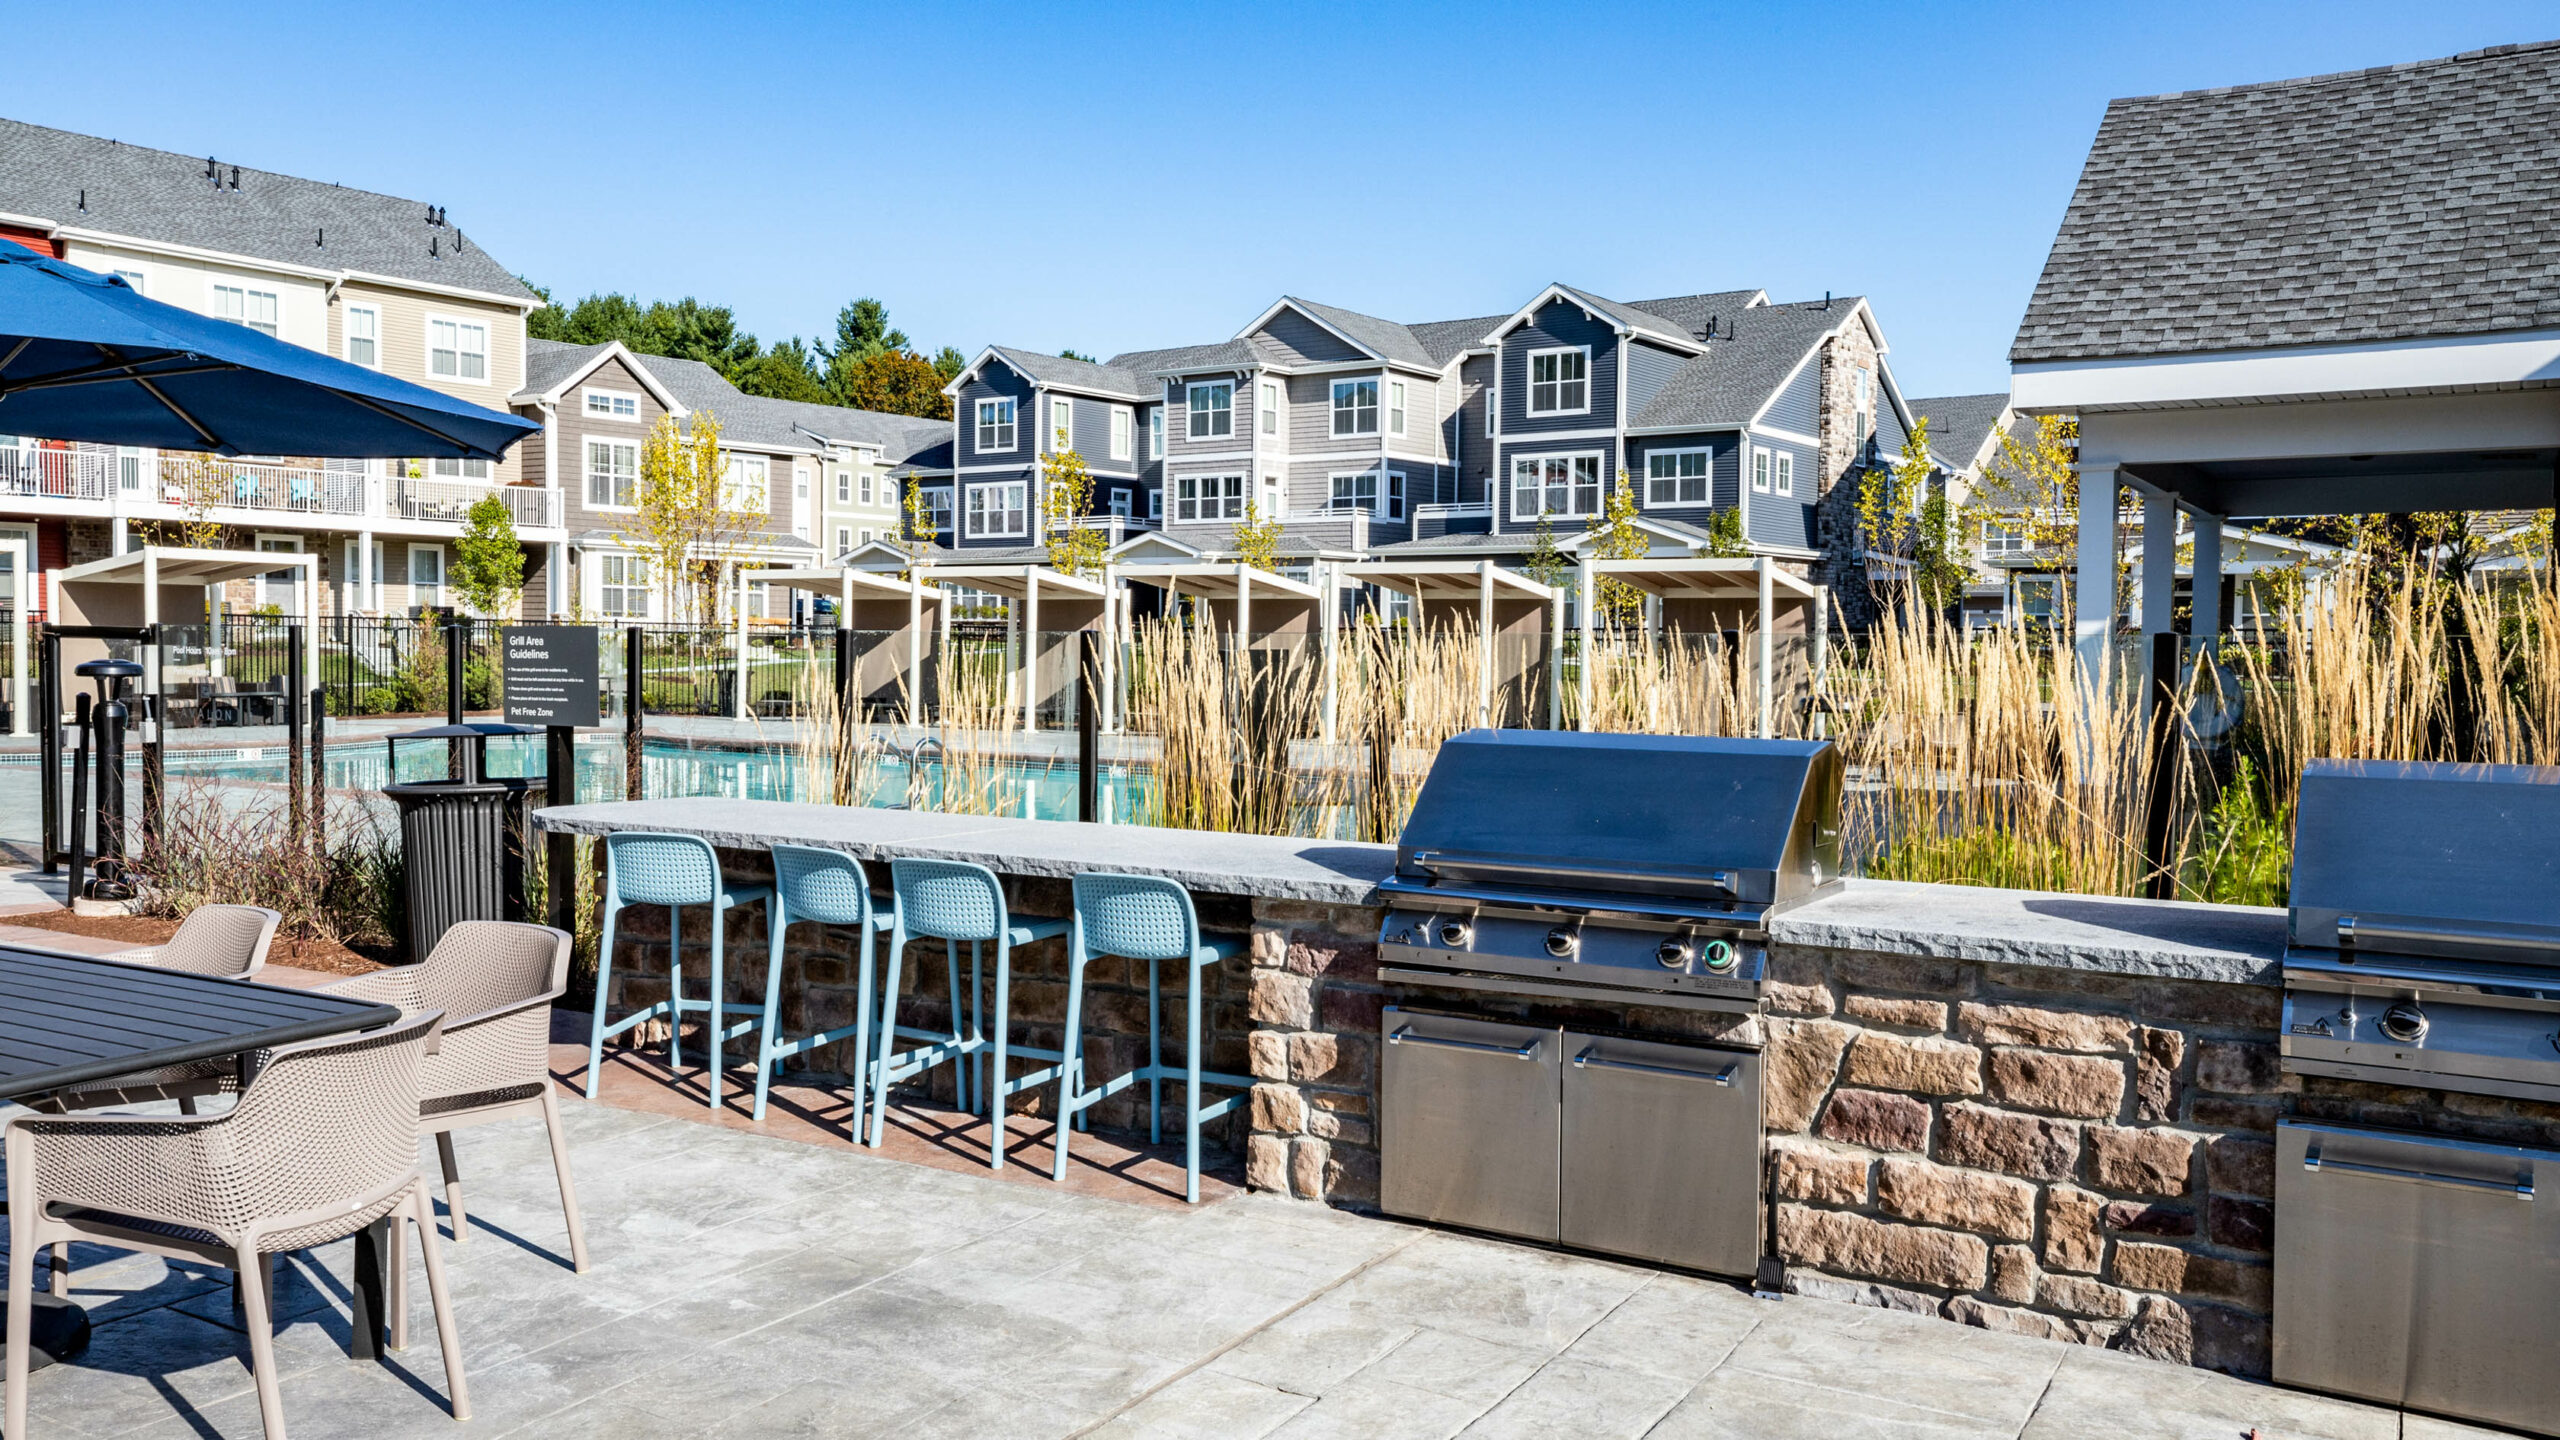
{"x":2204,"y":622}
{"x":555,"y":577}
{"x":2093,"y":601}
{"x":1555,"y":659}
{"x":1821,"y":657}
{"x":1768,"y":647}
{"x":1244,"y":610}
{"x":366,"y":598}
{"x":1329,"y":615}
{"x":1584,"y":594}
{"x":1030,"y":650}
{"x":1484,"y":642}
{"x":2159,"y":562}
{"x":915,"y":649}
{"x":738,"y":697}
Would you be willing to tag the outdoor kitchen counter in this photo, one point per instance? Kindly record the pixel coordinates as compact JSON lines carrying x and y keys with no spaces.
{"x":2232,"y":944}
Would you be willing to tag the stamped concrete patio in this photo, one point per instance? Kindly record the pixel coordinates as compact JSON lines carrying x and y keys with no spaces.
{"x":752,"y":1285}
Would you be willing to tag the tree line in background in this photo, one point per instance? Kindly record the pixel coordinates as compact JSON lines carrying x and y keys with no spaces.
{"x":868,"y":366}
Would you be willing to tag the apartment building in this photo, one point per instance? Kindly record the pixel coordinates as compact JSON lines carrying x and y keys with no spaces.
{"x":1369,"y":438}
{"x":389,"y":283}
{"x":810,"y":481}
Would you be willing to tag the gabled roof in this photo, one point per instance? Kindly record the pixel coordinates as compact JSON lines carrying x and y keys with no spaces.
{"x":1059,"y":372}
{"x":1225,"y":355}
{"x":1627,"y":318}
{"x":1152,"y":539}
{"x":551,"y":367}
{"x":1386,"y":339}
{"x":1961,"y":426}
{"x":1741,"y":370}
{"x":749,"y":420}
{"x":1693,"y":313}
{"x":2388,"y":204}
{"x":1446,"y":340}
{"x":82,"y":182}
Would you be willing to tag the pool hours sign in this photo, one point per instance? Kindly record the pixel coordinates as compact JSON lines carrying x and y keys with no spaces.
{"x":553,"y":675}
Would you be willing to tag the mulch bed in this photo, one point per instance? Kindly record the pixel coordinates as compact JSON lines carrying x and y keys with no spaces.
{"x":323,"y":955}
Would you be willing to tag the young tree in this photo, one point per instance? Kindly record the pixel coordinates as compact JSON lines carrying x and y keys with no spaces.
{"x":916,"y":535}
{"x":488,"y":563}
{"x":1066,"y":494}
{"x":2032,"y":487}
{"x":1257,"y":541}
{"x":1616,"y":536}
{"x":898,"y":382}
{"x":1725,"y":538}
{"x":200,"y":482}
{"x":1546,"y":563}
{"x":1902,"y":514}
{"x":862,"y":331}
{"x":689,"y":526}
{"x":948,"y":363}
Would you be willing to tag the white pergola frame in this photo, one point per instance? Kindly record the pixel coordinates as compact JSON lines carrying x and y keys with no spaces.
{"x":1021,"y":581}
{"x":1705,"y":578}
{"x":842,"y":582}
{"x":1235,"y":580}
{"x":1457,"y":580}
{"x":153,"y":566}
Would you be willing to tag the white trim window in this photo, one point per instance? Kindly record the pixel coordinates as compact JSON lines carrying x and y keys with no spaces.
{"x":450,"y":468}
{"x":1123,"y":438}
{"x":748,"y":486}
{"x":937,"y":508}
{"x":243,"y":306}
{"x":363,"y":326}
{"x":1678,"y":477}
{"x":995,"y":426}
{"x":1555,"y":485}
{"x":276,"y":586}
{"x":1208,"y":497}
{"x":1155,"y":433}
{"x":1784,"y":476}
{"x":361,"y":592}
{"x":1119,"y":504}
{"x":1212,"y":410}
{"x":1760,"y":467}
{"x":1862,"y":423}
{"x":613,"y":474}
{"x":612,"y":405}
{"x":457,"y":350}
{"x":844,"y":538}
{"x":1492,"y":411}
{"x":997,"y":509}
{"x":132,"y":278}
{"x":1062,"y":425}
{"x":1395,"y":407}
{"x":1352,"y":490}
{"x":844,"y":486}
{"x":1155,"y":505}
{"x":867,"y":491}
{"x":426,"y":576}
{"x":1270,"y":408}
{"x":1355,"y":407}
{"x":1271,"y":498}
{"x":622,"y":586}
{"x":1560,"y":381}
{"x":1999,"y":539}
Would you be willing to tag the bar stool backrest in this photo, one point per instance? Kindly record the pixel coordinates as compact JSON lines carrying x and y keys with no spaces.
{"x":651,"y":869}
{"x":826,"y":887}
{"x":1137,"y":917}
{"x":948,"y":899}
{"x":220,"y":940}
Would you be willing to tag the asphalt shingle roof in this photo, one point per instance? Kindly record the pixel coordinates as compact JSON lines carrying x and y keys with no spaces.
{"x":1385,"y":338}
{"x":1080,"y":374}
{"x":1959,"y":425}
{"x":1225,"y":354}
{"x":1692,"y":312}
{"x":1445,"y":339}
{"x":754,"y":420}
{"x":88,"y":183}
{"x":548,"y":362}
{"x":2409,"y":201}
{"x":1741,"y":369}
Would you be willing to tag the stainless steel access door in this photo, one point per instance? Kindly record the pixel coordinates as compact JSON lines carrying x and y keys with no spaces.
{"x":1467,"y":1123}
{"x":2419,"y":1271}
{"x":1662,"y":1152}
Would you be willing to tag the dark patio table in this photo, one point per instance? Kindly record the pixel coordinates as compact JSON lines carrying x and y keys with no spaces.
{"x":70,"y":1020}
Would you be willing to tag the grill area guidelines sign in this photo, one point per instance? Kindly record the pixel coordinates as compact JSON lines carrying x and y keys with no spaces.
{"x":553,"y":676}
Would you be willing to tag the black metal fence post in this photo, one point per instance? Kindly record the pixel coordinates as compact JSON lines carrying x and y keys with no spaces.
{"x":1088,"y":737}
{"x":2162,"y":881}
{"x":632,"y":705}
{"x":559,"y":848}
{"x":49,"y":742}
{"x":320,"y":769}
{"x":293,"y":690}
{"x":76,"y":883}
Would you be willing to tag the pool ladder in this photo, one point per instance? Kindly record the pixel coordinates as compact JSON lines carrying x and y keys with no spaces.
{"x":914,"y":756}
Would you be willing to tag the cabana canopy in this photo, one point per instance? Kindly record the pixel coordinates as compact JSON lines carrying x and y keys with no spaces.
{"x":127,"y":589}
{"x":867,"y":598}
{"x":1701,"y":594}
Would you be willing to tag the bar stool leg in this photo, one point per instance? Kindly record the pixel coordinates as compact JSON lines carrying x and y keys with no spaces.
{"x":1155,"y":1054}
{"x":861,"y":1028}
{"x":766,"y":1061}
{"x":604,"y":988}
{"x":995,"y":1095}
{"x":675,"y":987}
{"x":712,"y":1041}
{"x":1070,"y":1059}
{"x":951,"y":987}
{"x":977,"y":1061}
{"x":1191,"y":1096}
{"x":888,"y":1036}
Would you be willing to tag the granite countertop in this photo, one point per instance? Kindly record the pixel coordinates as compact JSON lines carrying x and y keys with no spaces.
{"x":2236,"y":944}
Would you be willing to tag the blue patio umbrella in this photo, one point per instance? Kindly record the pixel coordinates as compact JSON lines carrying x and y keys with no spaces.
{"x":84,"y":357}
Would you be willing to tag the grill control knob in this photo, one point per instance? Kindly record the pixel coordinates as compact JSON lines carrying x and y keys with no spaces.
{"x":1720,"y":956}
{"x":1673,"y":953}
{"x":2404,"y":1023}
{"x":1562,"y":941}
{"x":1453,"y":933}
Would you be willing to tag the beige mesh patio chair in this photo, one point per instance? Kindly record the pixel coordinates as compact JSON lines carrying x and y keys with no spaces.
{"x":323,"y":1143}
{"x":495,"y":981}
{"x":229,"y":941}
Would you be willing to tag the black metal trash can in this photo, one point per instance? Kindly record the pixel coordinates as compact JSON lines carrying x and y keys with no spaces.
{"x":462,"y":848}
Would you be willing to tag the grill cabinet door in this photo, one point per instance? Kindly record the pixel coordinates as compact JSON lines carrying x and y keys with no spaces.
{"x":2419,"y":1271}
{"x":1662,"y":1152}
{"x":1467,"y":1123}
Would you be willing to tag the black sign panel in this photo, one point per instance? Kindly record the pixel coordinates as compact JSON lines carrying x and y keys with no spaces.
{"x":553,"y":676}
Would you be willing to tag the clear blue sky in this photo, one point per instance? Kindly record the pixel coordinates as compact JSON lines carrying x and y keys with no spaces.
{"x":1115,"y":178}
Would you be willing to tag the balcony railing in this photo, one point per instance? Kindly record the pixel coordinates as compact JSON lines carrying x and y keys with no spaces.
{"x":271,"y":485}
{"x":186,"y":481}
{"x":84,"y":472}
{"x":530,"y":506}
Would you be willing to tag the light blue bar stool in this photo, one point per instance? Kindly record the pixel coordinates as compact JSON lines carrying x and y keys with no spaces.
{"x":675,"y":871}
{"x":1141,"y":917}
{"x":953,"y":901}
{"x":819,"y":887}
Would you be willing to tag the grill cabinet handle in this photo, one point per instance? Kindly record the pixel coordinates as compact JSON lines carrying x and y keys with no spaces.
{"x":2520,"y":1189}
{"x":1584,"y":1061}
{"x":1721,"y":879}
{"x":2352,"y":931}
{"x":1405,"y":1036}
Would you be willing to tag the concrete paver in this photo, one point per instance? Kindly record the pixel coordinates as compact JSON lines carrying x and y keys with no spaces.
{"x":751,"y":1285}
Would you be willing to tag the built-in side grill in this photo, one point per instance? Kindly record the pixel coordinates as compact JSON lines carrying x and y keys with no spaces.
{"x":1608,"y":870}
{"x":2424,"y":951}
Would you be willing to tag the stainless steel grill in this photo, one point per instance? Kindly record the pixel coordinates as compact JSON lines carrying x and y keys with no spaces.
{"x":2418,"y":1269}
{"x":1613,"y":871}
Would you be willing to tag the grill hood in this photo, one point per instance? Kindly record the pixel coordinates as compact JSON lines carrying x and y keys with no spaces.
{"x":2454,"y":861}
{"x":1725,"y":822}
